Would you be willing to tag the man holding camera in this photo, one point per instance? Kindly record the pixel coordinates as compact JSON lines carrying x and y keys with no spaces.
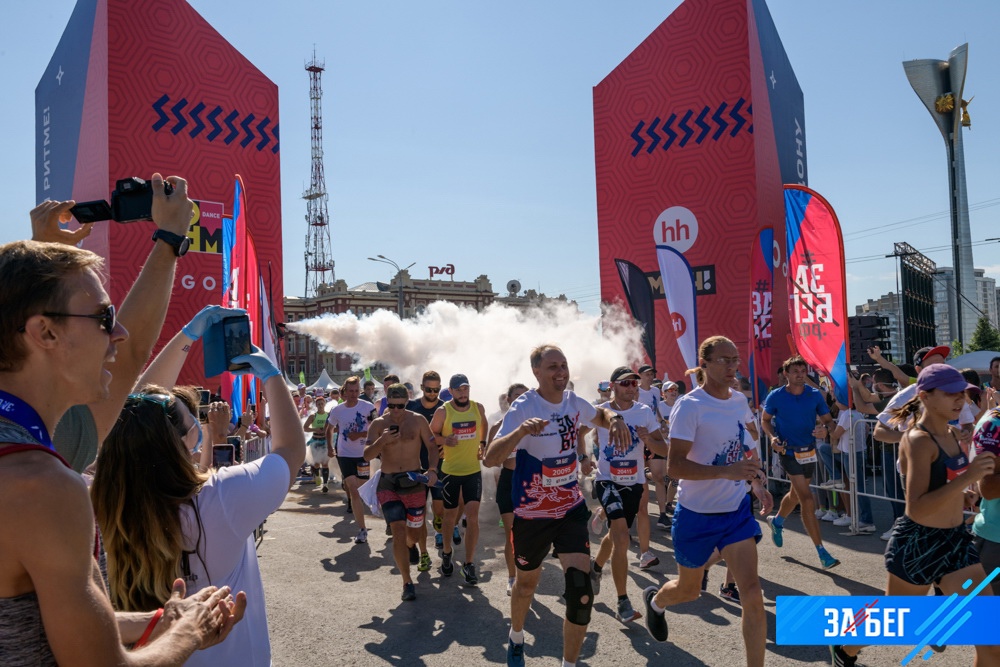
{"x":398,"y":437}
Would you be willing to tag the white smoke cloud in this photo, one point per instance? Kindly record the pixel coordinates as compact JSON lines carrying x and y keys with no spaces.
{"x":490,"y":347}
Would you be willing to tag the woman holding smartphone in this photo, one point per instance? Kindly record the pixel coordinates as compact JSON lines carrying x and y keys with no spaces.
{"x":161,"y":518}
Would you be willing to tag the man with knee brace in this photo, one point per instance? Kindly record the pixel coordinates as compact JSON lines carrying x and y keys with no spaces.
{"x":542,"y":426}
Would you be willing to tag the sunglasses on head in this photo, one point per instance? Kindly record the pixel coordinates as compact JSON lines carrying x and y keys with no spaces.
{"x":627,"y":383}
{"x":395,"y":406}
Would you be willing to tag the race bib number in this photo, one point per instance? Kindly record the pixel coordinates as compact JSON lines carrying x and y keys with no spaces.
{"x":415,"y":517}
{"x":624,"y":471}
{"x":465,"y":430}
{"x":559,"y":471}
{"x":956,"y":465}
{"x":808,"y":456}
{"x":364,"y":470}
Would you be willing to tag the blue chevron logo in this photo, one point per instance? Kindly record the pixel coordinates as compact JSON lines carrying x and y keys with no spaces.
{"x":181,"y":120}
{"x":246,"y":129}
{"x":256,"y":133}
{"x":685,"y":128}
{"x":671,"y":135}
{"x":658,"y":133}
{"x":158,"y":108}
{"x":195,"y":114}
{"x":651,"y":133}
{"x":216,"y":128}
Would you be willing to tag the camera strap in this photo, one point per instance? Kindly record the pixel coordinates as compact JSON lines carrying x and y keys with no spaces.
{"x":15,"y":411}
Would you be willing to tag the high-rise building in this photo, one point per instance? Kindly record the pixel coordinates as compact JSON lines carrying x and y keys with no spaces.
{"x":886,"y":306}
{"x":945,"y":300}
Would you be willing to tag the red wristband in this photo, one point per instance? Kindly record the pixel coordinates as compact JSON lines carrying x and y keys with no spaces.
{"x":149,"y":628}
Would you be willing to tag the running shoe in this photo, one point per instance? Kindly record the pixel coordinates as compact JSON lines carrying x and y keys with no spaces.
{"x":625,"y":613}
{"x":595,"y":577}
{"x":456,"y":537}
{"x":827,"y":560}
{"x":324,"y":488}
{"x":447,"y":567}
{"x":775,"y":532}
{"x":840,"y":659}
{"x":438,"y":541}
{"x":409,"y":592}
{"x":866,"y":528}
{"x":832,"y":484}
{"x":425,"y":563}
{"x":843,"y":521}
{"x":362,"y":537}
{"x":886,"y":536}
{"x":510,"y":586}
{"x":656,"y":622}
{"x":414,"y":555}
{"x":830,"y":516}
{"x":515,"y":654}
{"x":469,"y":572}
{"x":648,"y":560}
{"x":663,"y":522}
{"x":437,"y":523}
{"x":729,"y":592}
{"x":820,"y":512}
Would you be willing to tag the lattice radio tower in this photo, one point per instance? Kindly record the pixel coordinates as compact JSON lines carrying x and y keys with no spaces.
{"x":319,"y":253}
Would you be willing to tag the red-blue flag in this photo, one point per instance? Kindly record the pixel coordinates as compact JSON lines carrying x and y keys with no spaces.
{"x":817,"y":286}
{"x":761,"y":293}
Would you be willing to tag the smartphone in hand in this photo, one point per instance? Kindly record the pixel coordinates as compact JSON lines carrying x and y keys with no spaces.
{"x":236,"y":340}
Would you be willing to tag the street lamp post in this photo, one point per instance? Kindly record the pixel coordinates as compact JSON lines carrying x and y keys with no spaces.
{"x":399,"y":278}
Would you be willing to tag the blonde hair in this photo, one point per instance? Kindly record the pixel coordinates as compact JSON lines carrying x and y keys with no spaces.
{"x":144,"y":476}
{"x":704,"y":351}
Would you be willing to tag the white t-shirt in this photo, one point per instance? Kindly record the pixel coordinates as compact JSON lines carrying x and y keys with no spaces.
{"x":545,"y":469}
{"x":231,"y":504}
{"x":967,"y":416}
{"x":351,"y":420}
{"x":846,"y":420}
{"x":717,"y":431}
{"x":627,"y":468}
{"x":651,"y":399}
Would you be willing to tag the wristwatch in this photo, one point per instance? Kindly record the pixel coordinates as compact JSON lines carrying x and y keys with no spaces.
{"x":180,"y":244}
{"x":581,"y":457}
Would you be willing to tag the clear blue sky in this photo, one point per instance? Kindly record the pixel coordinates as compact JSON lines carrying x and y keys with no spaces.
{"x":454,"y":118}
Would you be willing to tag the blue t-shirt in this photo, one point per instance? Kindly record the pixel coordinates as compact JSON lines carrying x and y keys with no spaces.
{"x":794,"y":416}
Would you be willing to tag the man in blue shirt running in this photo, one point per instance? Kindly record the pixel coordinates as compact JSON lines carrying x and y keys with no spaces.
{"x":790,"y":420}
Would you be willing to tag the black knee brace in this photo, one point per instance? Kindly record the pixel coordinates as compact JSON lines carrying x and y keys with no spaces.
{"x":579,"y":596}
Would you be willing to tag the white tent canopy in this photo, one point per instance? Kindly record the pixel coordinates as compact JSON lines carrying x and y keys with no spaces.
{"x":325,"y":383}
{"x":977,"y":361}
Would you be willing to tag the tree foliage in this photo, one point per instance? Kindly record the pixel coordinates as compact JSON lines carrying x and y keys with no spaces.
{"x":985,"y":337}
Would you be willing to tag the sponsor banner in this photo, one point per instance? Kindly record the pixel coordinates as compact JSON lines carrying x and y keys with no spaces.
{"x":761,"y":301}
{"x":679,"y":292}
{"x":817,"y":285}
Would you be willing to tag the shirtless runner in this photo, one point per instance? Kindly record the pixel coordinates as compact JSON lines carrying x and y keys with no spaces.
{"x":396,"y":436}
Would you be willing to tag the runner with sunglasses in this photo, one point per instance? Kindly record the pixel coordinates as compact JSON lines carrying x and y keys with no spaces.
{"x":398,"y":437}
{"x":711,"y":453}
{"x":460,"y":426}
{"x":426,"y":406}
{"x":620,"y":483}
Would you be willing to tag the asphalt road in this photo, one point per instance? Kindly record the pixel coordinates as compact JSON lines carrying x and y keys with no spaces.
{"x":332,"y":602}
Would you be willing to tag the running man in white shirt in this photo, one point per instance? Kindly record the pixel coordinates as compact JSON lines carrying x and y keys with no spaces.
{"x":710,"y":452}
{"x":620,"y":482}
{"x":542,"y":426}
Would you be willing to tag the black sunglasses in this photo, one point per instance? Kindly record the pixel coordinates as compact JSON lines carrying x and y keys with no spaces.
{"x":106,"y":318}
{"x":395,"y":406}
{"x":431,"y":390}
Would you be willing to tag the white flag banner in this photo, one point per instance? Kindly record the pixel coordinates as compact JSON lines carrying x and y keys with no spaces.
{"x":679,"y":292}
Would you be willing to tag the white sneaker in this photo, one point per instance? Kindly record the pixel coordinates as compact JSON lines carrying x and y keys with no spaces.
{"x":866,"y":528}
{"x":832,"y":484}
{"x":843,"y":521}
{"x":820,"y":512}
{"x":886,"y":535}
{"x":648,"y":560}
{"x":362,"y":536}
{"x":829,"y":516}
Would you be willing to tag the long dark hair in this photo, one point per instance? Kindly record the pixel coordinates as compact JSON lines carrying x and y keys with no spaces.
{"x":144,"y":476}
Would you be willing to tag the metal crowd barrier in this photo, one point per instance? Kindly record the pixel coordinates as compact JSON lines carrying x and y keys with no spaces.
{"x":255,"y":448}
